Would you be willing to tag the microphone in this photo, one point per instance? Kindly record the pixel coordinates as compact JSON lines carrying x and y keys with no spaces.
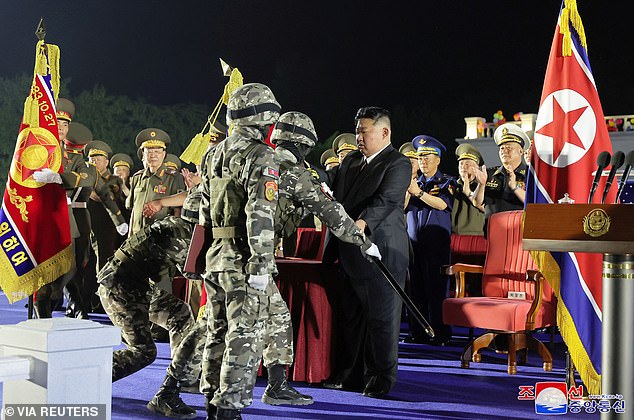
{"x":602,"y":161}
{"x":629,"y":162}
{"x":617,"y":161}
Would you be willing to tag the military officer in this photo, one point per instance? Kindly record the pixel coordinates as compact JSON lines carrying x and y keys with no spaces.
{"x":329,"y":159}
{"x":107,"y":219}
{"x":466,"y":219}
{"x":429,"y":228}
{"x":151,"y":183}
{"x":77,"y":179}
{"x":121,"y":166}
{"x":154,"y":182}
{"x":407,"y":149}
{"x":503,"y":188}
{"x":343,"y":144}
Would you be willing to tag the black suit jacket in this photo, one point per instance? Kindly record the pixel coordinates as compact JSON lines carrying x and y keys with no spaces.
{"x":376,"y":195}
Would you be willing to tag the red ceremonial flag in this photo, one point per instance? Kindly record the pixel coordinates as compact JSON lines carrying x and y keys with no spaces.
{"x":35,"y":240}
{"x":570,"y":133}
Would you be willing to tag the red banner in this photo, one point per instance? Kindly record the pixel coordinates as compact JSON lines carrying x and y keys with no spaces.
{"x":35,"y":239}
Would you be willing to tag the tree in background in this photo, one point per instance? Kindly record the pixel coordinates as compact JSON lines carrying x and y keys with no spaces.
{"x":115,"y":119}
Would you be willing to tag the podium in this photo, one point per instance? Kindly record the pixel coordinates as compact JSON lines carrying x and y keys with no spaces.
{"x":598,"y":228}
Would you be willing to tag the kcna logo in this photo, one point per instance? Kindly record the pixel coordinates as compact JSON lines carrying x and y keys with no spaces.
{"x":565,"y":128}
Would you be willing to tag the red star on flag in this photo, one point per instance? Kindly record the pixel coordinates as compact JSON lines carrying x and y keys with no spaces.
{"x":32,"y":140}
{"x":561,"y":128}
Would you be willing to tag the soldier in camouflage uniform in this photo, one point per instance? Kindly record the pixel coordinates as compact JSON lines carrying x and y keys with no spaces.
{"x":77,"y":176}
{"x":130,"y":299}
{"x":239,"y":197}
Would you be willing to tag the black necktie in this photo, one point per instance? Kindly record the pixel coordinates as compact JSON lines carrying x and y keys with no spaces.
{"x":363,"y":165}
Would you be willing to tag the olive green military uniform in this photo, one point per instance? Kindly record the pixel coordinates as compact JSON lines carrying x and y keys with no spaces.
{"x":466,"y":219}
{"x":120,"y":196}
{"x":104,"y":211}
{"x":77,"y":176}
{"x":146,"y":186}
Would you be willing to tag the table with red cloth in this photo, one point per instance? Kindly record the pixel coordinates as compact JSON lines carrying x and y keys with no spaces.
{"x":303,"y":284}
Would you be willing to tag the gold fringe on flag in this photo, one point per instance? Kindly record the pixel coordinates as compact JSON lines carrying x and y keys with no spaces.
{"x":46,"y":62}
{"x":570,"y":16}
{"x":550,"y":269}
{"x":44,"y":273}
{"x":198,"y":145}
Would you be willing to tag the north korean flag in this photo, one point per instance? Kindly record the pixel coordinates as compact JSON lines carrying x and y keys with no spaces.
{"x":570,"y":133}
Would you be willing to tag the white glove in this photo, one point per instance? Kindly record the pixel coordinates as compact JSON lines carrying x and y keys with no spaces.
{"x":373,"y":251}
{"x":123,"y":229}
{"x":47,"y":176}
{"x":258,"y":281}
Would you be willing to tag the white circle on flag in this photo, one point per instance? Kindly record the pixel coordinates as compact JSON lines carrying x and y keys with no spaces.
{"x":585,"y":128}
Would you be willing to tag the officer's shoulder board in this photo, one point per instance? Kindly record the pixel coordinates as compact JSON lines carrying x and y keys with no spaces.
{"x":170,"y":171}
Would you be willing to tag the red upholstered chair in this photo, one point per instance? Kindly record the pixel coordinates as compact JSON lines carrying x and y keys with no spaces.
{"x":469,"y":249}
{"x":507,"y":269}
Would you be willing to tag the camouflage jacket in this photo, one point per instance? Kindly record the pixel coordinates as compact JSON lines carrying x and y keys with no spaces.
{"x":301,"y":194}
{"x":239,"y":181}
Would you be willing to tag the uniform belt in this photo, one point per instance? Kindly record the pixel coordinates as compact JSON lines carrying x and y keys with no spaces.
{"x":78,"y":205}
{"x":189,"y":215}
{"x":227,"y":232}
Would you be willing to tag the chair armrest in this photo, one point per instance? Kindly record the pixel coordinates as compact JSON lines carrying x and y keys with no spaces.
{"x":458,"y":271}
{"x":451,"y":270}
{"x":538,"y":278}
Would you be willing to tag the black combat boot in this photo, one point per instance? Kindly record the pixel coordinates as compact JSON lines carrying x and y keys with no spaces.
{"x":279,"y":392}
{"x":167,"y":401}
{"x":226,"y":414}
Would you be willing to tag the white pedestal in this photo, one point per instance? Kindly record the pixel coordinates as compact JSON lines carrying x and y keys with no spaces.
{"x":71,"y":361}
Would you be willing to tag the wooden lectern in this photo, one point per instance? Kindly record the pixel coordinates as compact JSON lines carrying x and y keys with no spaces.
{"x":599,"y":228}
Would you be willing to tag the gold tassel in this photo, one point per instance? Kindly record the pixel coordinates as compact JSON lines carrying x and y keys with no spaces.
{"x":53,"y":68}
{"x":31,"y":112}
{"x":570,"y":16}
{"x":40,"y":59}
{"x":198,"y":145}
{"x":235,"y":81}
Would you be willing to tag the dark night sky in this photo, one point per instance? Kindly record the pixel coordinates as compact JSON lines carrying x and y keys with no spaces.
{"x":442,"y":61}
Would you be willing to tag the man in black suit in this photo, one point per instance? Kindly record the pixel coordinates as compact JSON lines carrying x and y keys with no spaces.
{"x":371,"y":184}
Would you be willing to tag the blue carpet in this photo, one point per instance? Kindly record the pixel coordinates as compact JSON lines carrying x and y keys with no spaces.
{"x":431,"y":385}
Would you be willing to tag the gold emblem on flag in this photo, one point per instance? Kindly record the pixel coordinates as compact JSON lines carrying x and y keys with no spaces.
{"x":37,"y":148}
{"x":596,"y":223}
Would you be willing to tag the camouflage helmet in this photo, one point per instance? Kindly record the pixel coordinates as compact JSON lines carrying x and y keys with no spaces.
{"x":294,"y":127}
{"x":252,"y":104}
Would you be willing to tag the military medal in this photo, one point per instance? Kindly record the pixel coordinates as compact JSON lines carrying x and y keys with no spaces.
{"x":160,"y":189}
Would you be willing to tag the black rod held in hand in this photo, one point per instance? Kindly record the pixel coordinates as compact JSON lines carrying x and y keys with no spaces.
{"x":602,"y":161}
{"x":617,"y":161}
{"x":629,"y":162}
{"x":406,"y":299}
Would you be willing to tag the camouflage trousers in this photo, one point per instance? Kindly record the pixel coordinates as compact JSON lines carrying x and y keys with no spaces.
{"x":277,"y":340}
{"x":132,"y":302}
{"x":237,"y":318}
{"x":133,"y":308}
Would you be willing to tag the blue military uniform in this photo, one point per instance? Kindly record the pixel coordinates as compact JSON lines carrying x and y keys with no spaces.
{"x":429,"y":230}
